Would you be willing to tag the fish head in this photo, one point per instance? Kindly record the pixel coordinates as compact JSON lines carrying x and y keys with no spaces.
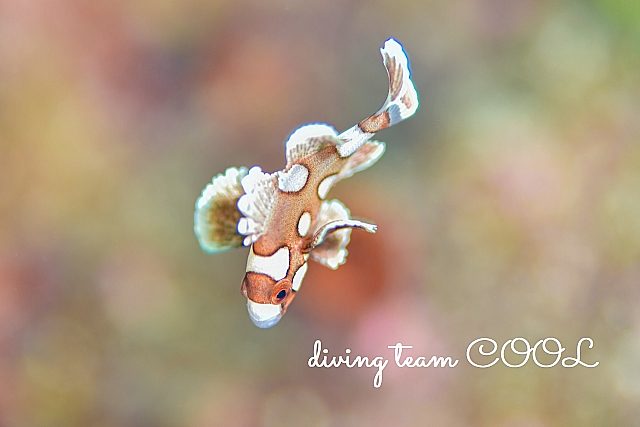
{"x":267,"y":300}
{"x":270,"y":284}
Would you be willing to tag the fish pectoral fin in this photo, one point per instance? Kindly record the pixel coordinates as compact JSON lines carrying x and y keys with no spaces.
{"x":334,"y":226}
{"x":256,"y":205}
{"x":329,"y":245}
{"x":216,"y":216}
{"x":332,"y":235}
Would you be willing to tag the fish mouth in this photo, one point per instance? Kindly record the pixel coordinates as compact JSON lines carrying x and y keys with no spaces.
{"x":264,"y":315}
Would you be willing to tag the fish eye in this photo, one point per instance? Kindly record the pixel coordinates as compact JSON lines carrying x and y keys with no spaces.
{"x":280,"y":296}
{"x":281,"y":291}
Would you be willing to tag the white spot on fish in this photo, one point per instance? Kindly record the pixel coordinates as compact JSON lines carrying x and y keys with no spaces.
{"x":325,"y":186}
{"x":304,"y":224}
{"x":354,"y":137}
{"x":294,"y":180}
{"x":274,"y":266}
{"x":297,"y":278}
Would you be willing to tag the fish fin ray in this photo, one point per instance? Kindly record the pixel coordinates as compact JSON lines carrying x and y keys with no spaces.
{"x":369,"y":153}
{"x":256,"y":205}
{"x":332,"y":235}
{"x":402,"y":100}
{"x":308,"y":140}
{"x":401,"y":103}
{"x":216,"y":215}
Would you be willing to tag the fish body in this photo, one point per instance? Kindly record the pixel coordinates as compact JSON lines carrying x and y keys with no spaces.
{"x":284,"y":216}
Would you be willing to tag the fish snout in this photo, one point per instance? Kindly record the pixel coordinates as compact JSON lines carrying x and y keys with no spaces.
{"x":264,"y":315}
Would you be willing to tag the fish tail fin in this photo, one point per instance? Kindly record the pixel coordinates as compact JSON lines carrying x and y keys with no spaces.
{"x":402,"y":100}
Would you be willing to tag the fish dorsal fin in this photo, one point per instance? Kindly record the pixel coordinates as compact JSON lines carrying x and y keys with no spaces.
{"x":216,"y":216}
{"x":256,"y":204}
{"x":308,"y":140}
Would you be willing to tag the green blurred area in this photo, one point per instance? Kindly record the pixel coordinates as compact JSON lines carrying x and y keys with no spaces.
{"x":508,"y":206}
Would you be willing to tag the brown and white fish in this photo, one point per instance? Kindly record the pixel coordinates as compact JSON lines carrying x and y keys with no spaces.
{"x":284,"y":216}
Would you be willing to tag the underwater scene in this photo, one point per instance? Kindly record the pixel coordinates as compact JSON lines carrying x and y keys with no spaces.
{"x":174,"y":173}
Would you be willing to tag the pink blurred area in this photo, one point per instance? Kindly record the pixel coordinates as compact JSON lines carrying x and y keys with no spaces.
{"x":507,"y":206}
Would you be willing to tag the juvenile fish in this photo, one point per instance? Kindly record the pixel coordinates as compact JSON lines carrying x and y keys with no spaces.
{"x":284,"y":216}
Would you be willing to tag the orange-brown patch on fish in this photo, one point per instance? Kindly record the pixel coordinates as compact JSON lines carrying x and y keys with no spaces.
{"x":406,"y":100}
{"x":375,"y":123}
{"x":257,"y":287}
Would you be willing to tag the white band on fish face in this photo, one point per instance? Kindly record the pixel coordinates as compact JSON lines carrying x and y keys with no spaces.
{"x":297,"y":278}
{"x":274,"y":266}
{"x":264,"y":315}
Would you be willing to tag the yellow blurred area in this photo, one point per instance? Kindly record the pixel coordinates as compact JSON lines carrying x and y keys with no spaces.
{"x":508,"y":206}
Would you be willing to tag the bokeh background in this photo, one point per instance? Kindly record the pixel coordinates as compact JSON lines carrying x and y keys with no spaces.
{"x":508,"y":206}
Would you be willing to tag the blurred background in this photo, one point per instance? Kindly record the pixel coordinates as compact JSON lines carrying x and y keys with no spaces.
{"x":508,"y":206}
